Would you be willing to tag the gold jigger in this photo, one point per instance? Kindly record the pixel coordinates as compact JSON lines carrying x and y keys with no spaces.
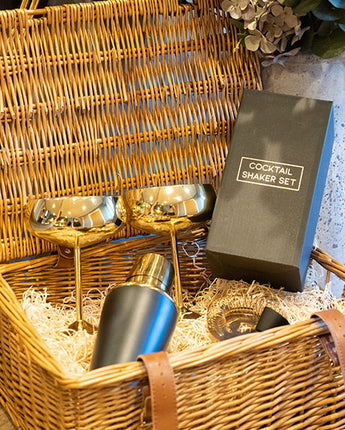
{"x":76,"y":222}
{"x":168,"y":210}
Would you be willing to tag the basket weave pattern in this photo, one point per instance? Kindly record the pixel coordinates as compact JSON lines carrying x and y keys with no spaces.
{"x":97,"y":99}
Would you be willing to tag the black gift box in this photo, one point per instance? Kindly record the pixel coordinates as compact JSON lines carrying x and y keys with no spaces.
{"x":268,"y":203}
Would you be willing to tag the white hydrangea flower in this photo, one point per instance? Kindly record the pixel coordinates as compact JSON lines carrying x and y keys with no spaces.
{"x":269,"y":24}
{"x":235,"y":7}
{"x":257,"y":40}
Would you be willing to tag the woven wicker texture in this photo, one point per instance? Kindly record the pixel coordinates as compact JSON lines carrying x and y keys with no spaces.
{"x":99,"y":98}
{"x":96,"y":99}
{"x":281,"y":379}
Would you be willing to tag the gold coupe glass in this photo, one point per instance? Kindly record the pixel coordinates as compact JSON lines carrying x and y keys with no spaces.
{"x":76,"y":222}
{"x":169,"y":210}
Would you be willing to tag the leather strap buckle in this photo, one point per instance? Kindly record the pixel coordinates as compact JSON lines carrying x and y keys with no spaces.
{"x":161,"y":401}
{"x":335,"y":348}
{"x":327,"y":344}
{"x":146,"y":413}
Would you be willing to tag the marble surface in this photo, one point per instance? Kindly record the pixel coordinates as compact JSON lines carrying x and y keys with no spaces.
{"x":308,"y":76}
{"x":312,"y":77}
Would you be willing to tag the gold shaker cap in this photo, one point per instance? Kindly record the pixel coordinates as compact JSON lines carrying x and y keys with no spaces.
{"x":153,"y":269}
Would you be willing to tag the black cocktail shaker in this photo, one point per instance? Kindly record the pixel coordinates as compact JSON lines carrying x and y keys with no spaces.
{"x":139,"y":316}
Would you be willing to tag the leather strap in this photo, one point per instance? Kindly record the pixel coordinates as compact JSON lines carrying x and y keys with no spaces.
{"x":335,"y":322}
{"x":162,"y":389}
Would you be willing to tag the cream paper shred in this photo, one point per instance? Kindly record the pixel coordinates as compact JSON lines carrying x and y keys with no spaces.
{"x":74,"y":350}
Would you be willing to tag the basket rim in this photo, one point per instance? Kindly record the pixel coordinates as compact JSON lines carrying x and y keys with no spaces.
{"x":190,"y":358}
{"x":116,"y":373}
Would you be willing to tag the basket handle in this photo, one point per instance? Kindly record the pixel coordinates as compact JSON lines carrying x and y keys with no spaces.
{"x":335,"y":322}
{"x":162,"y":390}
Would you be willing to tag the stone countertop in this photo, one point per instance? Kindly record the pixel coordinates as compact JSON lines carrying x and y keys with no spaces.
{"x":311,"y":77}
{"x":308,"y":76}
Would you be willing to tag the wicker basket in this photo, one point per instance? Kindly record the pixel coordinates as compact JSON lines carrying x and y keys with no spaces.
{"x":280,"y":379}
{"x":96,"y":99}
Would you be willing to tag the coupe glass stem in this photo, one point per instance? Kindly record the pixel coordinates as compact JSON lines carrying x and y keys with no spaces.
{"x":177,"y":279}
{"x":78,"y":291}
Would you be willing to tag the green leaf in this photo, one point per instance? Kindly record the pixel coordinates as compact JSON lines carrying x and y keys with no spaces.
{"x":305,"y":6}
{"x":326,"y":28}
{"x":341,"y":20}
{"x":307,"y":41}
{"x":290,"y":3}
{"x":340,"y":4}
{"x":236,"y":23}
{"x":326,"y":12}
{"x":330,"y":46}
